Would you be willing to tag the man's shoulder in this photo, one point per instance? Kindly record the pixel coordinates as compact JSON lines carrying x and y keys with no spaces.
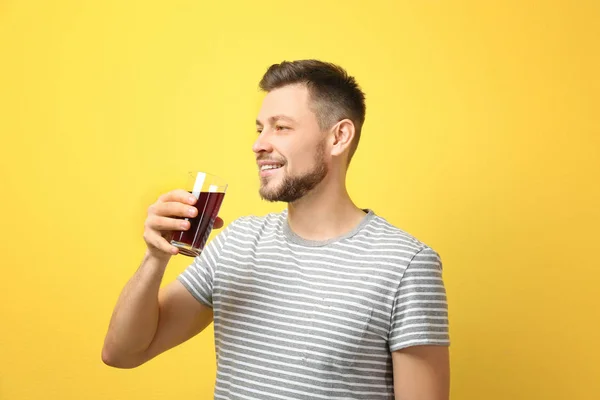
{"x":253,"y":224}
{"x":383,"y":232}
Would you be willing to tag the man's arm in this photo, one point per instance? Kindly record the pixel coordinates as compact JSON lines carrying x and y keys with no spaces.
{"x":148,"y":321}
{"x":419,"y":338}
{"x":422,"y":373}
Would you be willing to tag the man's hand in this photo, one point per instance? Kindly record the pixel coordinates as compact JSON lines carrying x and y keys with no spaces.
{"x":165,"y":217}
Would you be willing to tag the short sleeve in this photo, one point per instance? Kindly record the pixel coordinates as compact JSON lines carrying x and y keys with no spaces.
{"x":420,"y":309}
{"x":198,"y":276}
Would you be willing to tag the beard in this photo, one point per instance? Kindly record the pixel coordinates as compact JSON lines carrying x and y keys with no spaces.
{"x":295,"y":187}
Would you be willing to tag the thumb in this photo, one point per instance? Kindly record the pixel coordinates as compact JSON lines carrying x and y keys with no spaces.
{"x":218,"y":223}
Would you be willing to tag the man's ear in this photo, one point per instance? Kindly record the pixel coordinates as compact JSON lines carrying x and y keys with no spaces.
{"x":342,"y":137}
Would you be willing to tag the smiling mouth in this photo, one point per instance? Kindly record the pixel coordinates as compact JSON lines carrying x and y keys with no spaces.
{"x":269,"y":167}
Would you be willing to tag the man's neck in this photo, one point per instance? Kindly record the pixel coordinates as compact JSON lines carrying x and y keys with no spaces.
{"x":325,"y":213}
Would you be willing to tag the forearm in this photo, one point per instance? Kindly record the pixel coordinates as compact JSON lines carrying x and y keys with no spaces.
{"x":135,"y":317}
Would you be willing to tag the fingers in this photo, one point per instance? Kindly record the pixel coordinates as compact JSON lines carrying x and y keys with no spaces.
{"x":166,"y":216}
{"x":164,"y":224}
{"x":178,"y":196}
{"x":172,"y":209}
{"x":155,"y":240}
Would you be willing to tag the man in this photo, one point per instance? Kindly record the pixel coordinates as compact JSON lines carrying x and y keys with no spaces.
{"x":322,"y":301}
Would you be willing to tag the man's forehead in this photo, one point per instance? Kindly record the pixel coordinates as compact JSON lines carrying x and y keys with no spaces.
{"x":274,"y":118}
{"x":289,"y":101}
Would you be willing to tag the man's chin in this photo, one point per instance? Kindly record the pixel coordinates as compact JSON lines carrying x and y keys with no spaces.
{"x":267,"y":193}
{"x":268,"y":196}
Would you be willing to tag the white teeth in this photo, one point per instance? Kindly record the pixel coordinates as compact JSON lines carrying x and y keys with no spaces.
{"x":266,"y":167}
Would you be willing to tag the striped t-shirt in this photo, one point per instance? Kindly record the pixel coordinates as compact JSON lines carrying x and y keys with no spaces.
{"x":300,"y":319}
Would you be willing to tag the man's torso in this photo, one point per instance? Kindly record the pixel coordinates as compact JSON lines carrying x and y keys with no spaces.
{"x":293,"y":317}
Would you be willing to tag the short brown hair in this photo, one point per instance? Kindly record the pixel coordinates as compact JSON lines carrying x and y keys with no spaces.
{"x":335,"y":95}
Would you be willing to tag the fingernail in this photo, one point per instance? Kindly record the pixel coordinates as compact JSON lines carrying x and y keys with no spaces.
{"x":192,"y":199}
{"x":191,"y":211}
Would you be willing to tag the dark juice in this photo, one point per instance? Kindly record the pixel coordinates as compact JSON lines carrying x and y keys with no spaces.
{"x":208,"y":205}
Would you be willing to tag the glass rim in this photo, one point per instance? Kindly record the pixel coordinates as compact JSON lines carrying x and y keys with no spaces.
{"x":193,"y":172}
{"x":215,"y":181}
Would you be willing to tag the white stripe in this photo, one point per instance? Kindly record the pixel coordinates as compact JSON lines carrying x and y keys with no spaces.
{"x":277,"y":220}
{"x":182,"y":276}
{"x":413,"y":326}
{"x":421,"y":294}
{"x":310,"y":319}
{"x":418,"y":286}
{"x":200,"y":268}
{"x":239,"y":300}
{"x":304,"y":304}
{"x":292,"y":332}
{"x":247,"y":388}
{"x":393,"y":243}
{"x":277,"y":238}
{"x":209,"y":254}
{"x":341,"y":261}
{"x":353,"y":257}
{"x":194,"y":275}
{"x":292,"y":381}
{"x":390,"y":243}
{"x":436,"y":277}
{"x":260,"y":223}
{"x":220,"y":240}
{"x":414,"y":271}
{"x":285,"y":389}
{"x":277,"y":234}
{"x":280,"y":277}
{"x":424,"y":317}
{"x":261,"y":362}
{"x":350,"y":291}
{"x":433,"y":263}
{"x":390,"y":233}
{"x":421,"y":302}
{"x":279,"y":354}
{"x":427,"y":341}
{"x":416,"y":309}
{"x":387,"y":227}
{"x":228,"y":397}
{"x":219,"y":396}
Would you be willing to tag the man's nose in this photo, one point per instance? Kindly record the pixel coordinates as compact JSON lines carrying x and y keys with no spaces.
{"x":262,"y":144}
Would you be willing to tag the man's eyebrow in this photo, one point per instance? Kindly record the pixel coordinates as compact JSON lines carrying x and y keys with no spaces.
{"x":275,"y":118}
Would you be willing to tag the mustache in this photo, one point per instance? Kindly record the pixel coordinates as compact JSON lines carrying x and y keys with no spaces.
{"x":269,"y":159}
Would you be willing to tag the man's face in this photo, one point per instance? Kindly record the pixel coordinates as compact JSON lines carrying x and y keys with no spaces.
{"x":290,"y":149}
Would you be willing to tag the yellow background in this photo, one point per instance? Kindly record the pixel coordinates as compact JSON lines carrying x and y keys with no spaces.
{"x":482,"y":139}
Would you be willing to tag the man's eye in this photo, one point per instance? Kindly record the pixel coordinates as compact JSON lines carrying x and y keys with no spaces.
{"x":280,"y":127}
{"x":259,"y":130}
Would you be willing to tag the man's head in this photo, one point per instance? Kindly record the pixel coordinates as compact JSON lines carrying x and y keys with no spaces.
{"x":309,"y":123}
